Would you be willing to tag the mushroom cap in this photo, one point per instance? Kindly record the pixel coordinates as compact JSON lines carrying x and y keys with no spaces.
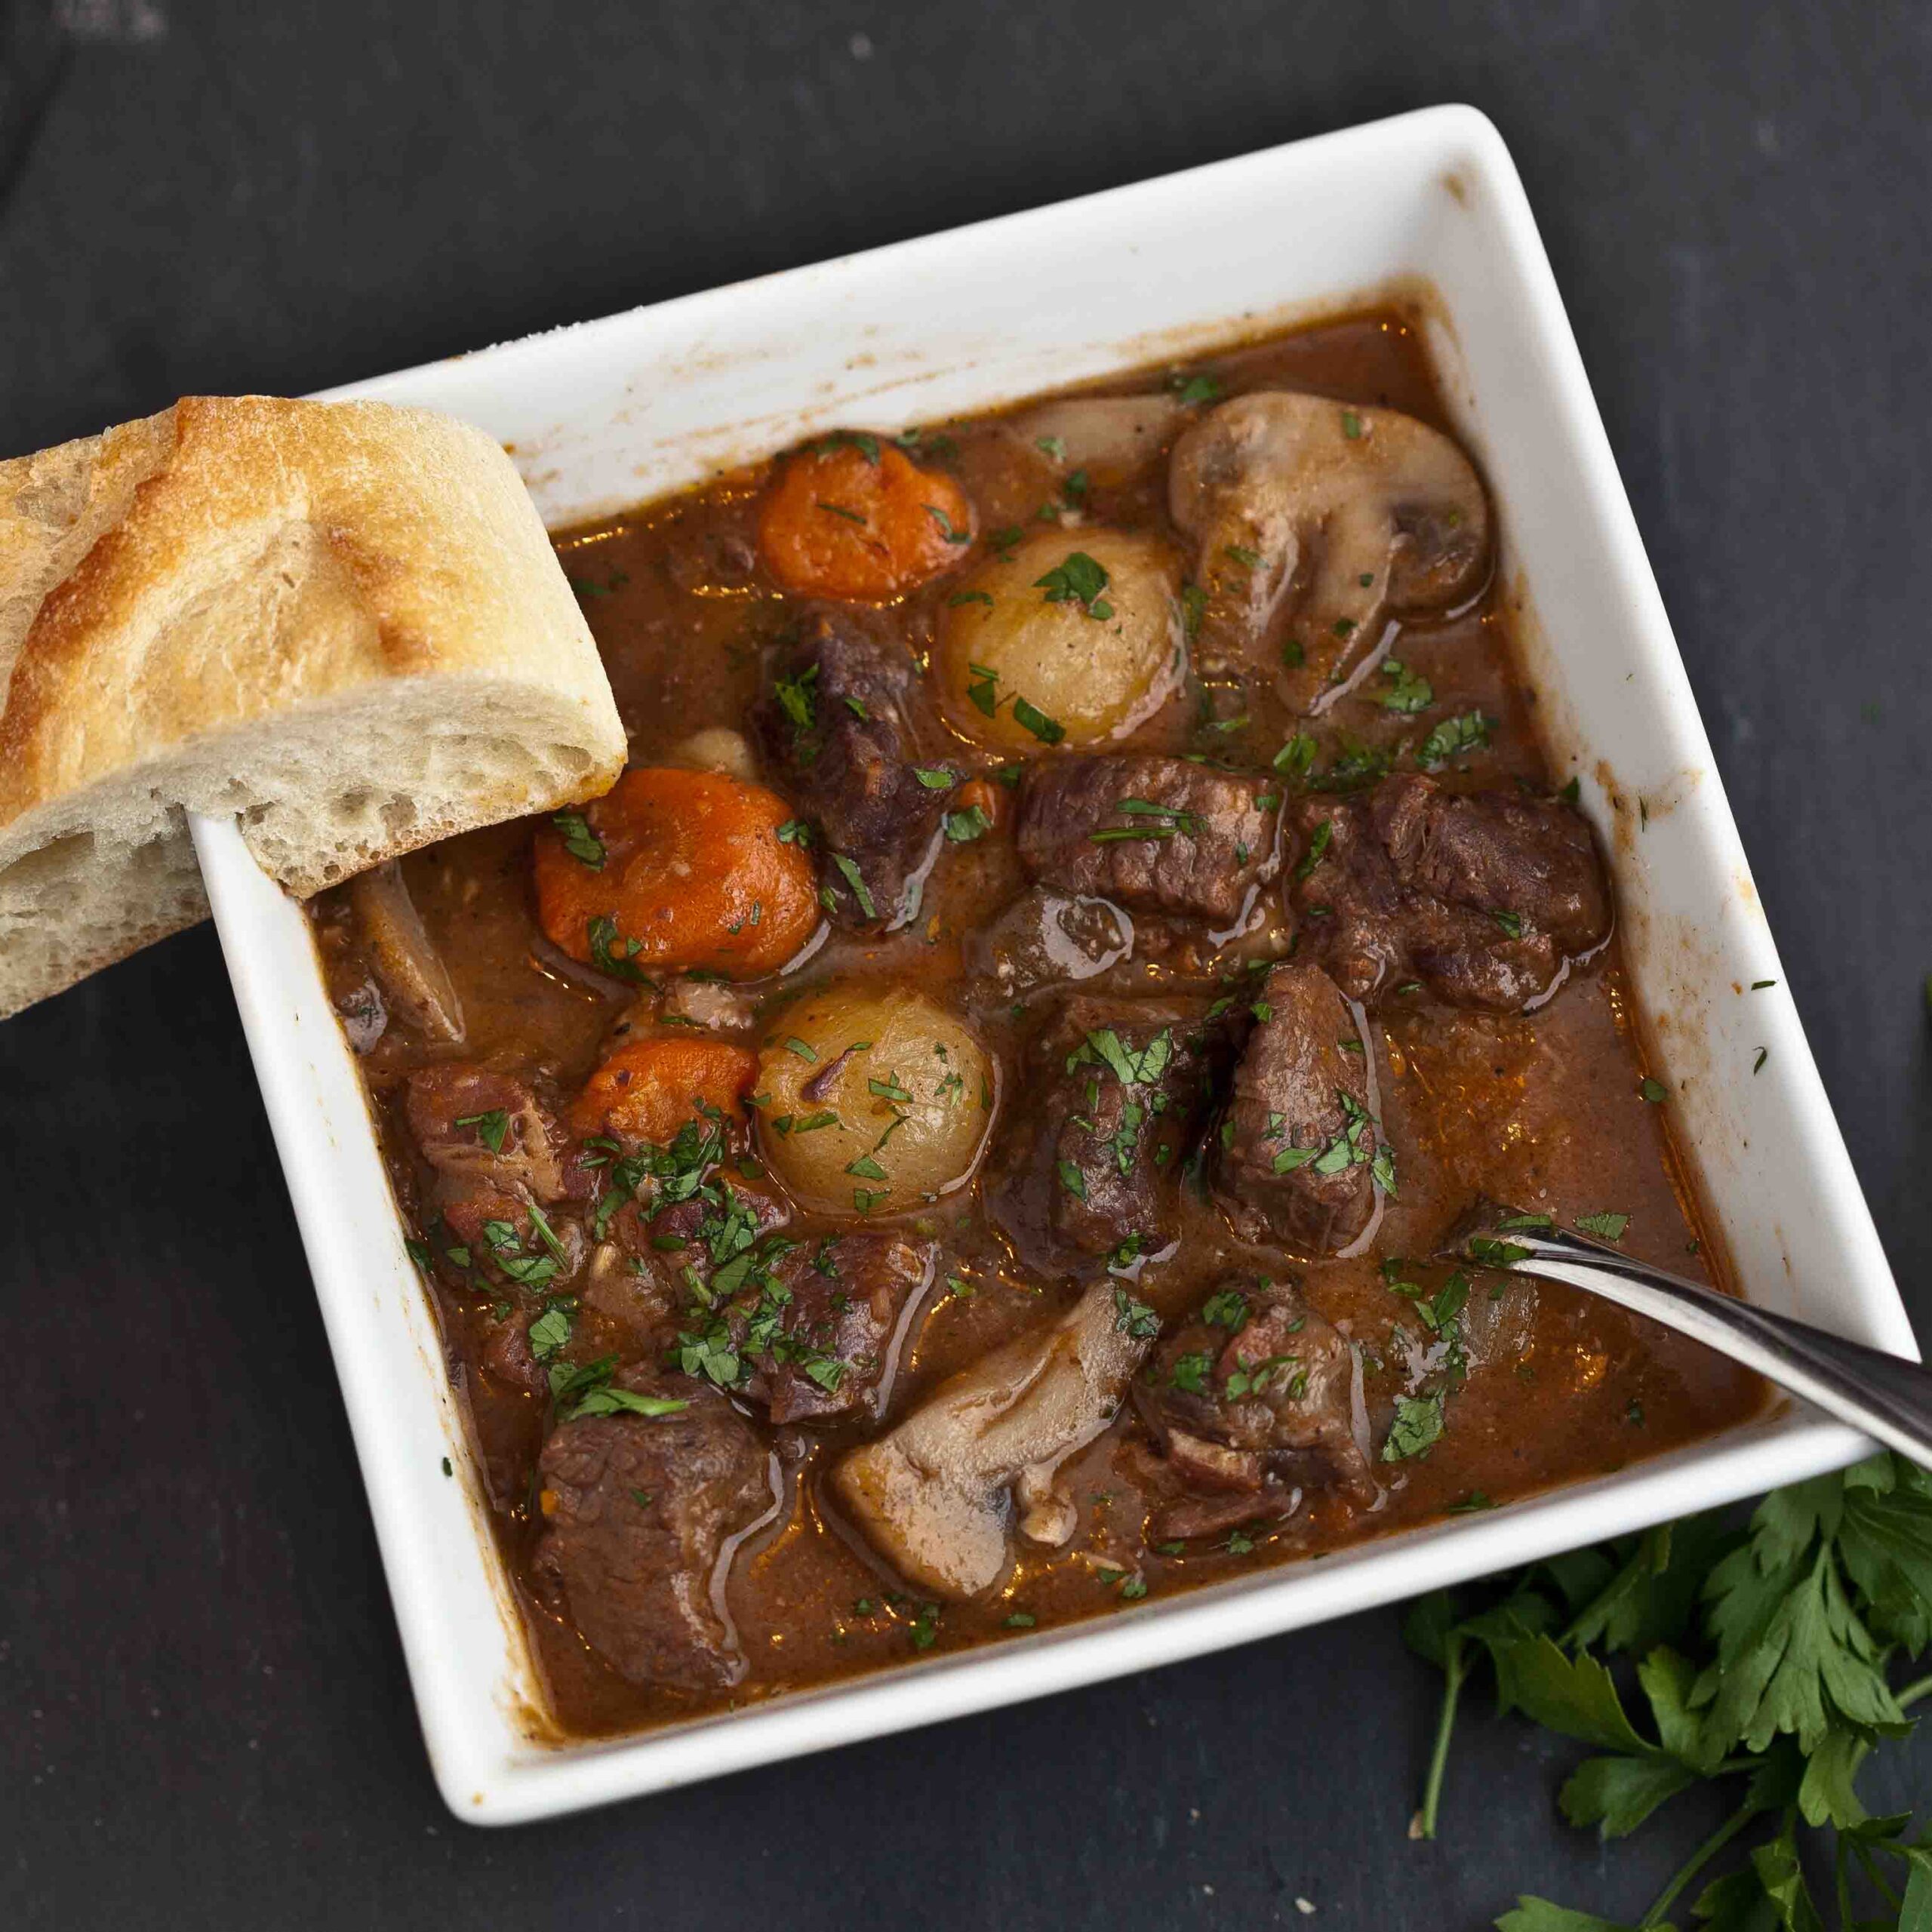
{"x":1113,"y":438}
{"x":933,"y":1496}
{"x":1329,"y":516}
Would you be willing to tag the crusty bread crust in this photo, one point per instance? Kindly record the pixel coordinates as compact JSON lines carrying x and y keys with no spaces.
{"x":341,"y":623}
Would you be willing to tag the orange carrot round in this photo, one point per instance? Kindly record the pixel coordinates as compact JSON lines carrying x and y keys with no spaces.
{"x":649,"y":1089}
{"x":853,"y":518}
{"x":674,"y":869}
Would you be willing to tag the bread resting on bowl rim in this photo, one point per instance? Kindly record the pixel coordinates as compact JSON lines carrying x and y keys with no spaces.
{"x":341,"y":624}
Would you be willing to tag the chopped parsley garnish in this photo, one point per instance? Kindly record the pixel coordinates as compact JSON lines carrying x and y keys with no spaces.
{"x":551,"y":1329}
{"x":1189,"y":1373}
{"x":947,"y":528}
{"x":1418,"y":1425}
{"x":1654,"y":1091}
{"x":1104,"y":1046}
{"x":610,"y":952}
{"x":492,"y":1128}
{"x":861,"y":440}
{"x":1196,"y":389}
{"x":1226,"y":1309}
{"x":1491,"y":1253}
{"x":1512,"y":923}
{"x":963,"y":827}
{"x":1193,"y":608}
{"x":981,"y":688}
{"x":610,"y":1401}
{"x":849,"y":871}
{"x":1322,"y":838}
{"x":1078,"y":579}
{"x":1406,"y":691}
{"x":1029,"y":717}
{"x":586,"y":587}
{"x":1606,"y":1226}
{"x":579,"y":841}
{"x":1467,"y":732}
{"x":1296,"y":757}
{"x":1353,"y":767}
{"x":1134,"y":1318}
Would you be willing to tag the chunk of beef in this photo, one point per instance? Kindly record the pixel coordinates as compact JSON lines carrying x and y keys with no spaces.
{"x":471,"y":1123}
{"x":1299,"y":1152}
{"x":493,"y":1148}
{"x":832,"y":729}
{"x":1481,"y":896}
{"x":820,"y":1341}
{"x":1155,"y":834}
{"x":1043,"y":939}
{"x":808,"y":1328}
{"x":1249,"y":1401}
{"x":508,"y":1356}
{"x":1120,"y":1088}
{"x":637,"y":1511}
{"x":641,"y":1276}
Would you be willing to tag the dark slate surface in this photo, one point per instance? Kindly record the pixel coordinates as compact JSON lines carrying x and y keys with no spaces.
{"x":205,"y":1718}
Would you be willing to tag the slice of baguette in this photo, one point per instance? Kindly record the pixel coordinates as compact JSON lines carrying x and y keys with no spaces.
{"x":341,"y":623}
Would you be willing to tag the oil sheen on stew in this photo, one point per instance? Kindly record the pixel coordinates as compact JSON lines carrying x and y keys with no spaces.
{"x":950,"y":1145}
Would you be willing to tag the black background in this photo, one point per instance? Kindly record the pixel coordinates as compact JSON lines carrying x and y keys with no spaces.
{"x":203,"y":1714}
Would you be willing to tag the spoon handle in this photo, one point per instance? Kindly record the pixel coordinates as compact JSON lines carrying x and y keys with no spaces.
{"x":1885,"y":1396}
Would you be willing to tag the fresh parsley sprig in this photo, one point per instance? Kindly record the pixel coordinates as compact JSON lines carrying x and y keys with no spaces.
{"x":1768,"y":1655}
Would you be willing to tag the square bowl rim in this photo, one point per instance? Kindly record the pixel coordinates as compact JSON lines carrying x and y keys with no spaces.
{"x":483,"y":1782}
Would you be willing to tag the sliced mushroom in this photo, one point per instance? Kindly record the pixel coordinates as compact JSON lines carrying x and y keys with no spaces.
{"x":413,"y":975}
{"x":1341,"y":516}
{"x":1111,"y":437}
{"x":932,"y":1495}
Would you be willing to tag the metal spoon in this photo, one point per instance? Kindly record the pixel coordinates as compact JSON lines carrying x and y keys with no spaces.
{"x":1884,"y":1396}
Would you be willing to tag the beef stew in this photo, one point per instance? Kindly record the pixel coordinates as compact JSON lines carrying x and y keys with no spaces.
{"x":942,"y":1149}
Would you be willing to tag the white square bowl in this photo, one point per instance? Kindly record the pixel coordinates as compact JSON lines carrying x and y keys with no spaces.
{"x":613,"y":412}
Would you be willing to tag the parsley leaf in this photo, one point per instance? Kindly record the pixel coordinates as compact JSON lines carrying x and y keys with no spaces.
{"x":1418,"y":1425}
{"x":1761,"y":1656}
{"x":1468,"y":731}
{"x":1077,"y":580}
{"x":579,"y":841}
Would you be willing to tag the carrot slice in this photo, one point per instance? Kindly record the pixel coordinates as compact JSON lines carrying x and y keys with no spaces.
{"x":673,"y":870}
{"x":853,"y":518}
{"x":648,"y":1089}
